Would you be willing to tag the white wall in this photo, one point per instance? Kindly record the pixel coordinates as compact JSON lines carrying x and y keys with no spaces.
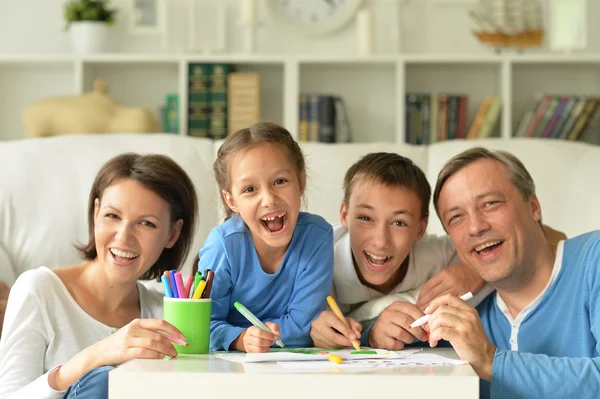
{"x":36,"y":26}
{"x":428,"y":26}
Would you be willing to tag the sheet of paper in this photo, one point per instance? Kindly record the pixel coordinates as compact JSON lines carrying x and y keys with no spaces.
{"x":414,"y":359}
{"x":308,"y":354}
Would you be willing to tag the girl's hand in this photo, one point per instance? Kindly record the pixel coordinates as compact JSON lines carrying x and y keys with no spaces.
{"x":140,"y":339}
{"x":256,"y":340}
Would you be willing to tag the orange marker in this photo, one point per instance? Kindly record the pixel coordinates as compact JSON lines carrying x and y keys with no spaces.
{"x":336,"y":310}
{"x":335,"y":359}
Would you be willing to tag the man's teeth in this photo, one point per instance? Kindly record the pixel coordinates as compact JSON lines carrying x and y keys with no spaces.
{"x":274,"y":217}
{"x":123,"y":254}
{"x":486,"y":245}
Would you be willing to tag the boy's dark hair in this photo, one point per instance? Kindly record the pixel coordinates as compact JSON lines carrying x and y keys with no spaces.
{"x":163,"y":176}
{"x":391,"y":170}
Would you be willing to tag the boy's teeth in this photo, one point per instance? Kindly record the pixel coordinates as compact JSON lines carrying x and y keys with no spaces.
{"x":377,"y":257}
{"x":123,"y":254}
{"x":486,"y":245}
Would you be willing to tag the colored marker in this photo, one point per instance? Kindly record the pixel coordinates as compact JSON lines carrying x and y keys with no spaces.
{"x":336,"y":310}
{"x":254,"y":320}
{"x":335,"y":359}
{"x":188,"y":285}
{"x":210,"y":276}
{"x":180,"y":286}
{"x":422,"y":320}
{"x":166,"y":286}
{"x":173,"y":284}
{"x":199,"y":290}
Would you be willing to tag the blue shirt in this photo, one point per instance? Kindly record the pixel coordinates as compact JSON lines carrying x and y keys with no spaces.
{"x":558,"y":339}
{"x":292,"y":297}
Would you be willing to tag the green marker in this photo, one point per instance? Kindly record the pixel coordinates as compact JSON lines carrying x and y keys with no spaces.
{"x":254,"y":320}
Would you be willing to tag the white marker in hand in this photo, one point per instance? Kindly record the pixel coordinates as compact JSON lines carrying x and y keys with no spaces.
{"x":422,"y":320}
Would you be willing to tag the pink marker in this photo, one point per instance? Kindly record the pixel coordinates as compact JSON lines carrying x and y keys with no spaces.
{"x":179,"y":282}
{"x":188,"y":285}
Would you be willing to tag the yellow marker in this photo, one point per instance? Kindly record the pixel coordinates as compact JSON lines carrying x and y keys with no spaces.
{"x":335,"y":359}
{"x":336,"y":310}
{"x":199,"y":289}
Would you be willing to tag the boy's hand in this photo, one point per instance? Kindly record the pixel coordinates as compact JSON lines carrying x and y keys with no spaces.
{"x":553,"y":236}
{"x":327,"y":331}
{"x":391,"y":330}
{"x":257,"y":340}
{"x":455,"y":279}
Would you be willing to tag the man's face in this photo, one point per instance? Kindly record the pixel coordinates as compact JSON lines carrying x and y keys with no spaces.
{"x":489,"y":221}
{"x":383,"y":223}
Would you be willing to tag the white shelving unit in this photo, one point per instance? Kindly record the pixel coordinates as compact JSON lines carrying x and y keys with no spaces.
{"x":373,"y":88}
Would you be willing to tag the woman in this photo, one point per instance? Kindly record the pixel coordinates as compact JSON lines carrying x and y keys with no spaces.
{"x":66,"y":328}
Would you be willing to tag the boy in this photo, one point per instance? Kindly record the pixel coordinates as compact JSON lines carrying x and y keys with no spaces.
{"x":385,"y":273}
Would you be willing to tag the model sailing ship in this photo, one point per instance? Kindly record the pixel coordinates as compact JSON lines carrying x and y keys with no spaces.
{"x":509,"y":23}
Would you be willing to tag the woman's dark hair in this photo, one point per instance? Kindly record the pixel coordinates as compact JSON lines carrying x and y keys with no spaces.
{"x":163,"y":176}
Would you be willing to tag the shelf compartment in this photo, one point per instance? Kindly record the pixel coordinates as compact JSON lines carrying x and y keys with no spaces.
{"x":32,"y":82}
{"x":371,"y":114}
{"x":476,"y":80}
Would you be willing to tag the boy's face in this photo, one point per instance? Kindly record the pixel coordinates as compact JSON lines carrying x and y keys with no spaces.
{"x":383,"y":223}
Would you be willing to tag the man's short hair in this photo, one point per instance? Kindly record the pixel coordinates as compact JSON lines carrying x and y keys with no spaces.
{"x":517,"y":173}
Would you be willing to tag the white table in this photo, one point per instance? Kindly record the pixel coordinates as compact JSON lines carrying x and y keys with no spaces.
{"x":206,"y":376}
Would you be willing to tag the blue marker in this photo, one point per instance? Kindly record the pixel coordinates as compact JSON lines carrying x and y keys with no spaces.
{"x":166,"y":286}
{"x":173,"y":285}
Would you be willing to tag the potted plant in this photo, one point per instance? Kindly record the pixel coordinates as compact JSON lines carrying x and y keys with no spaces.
{"x":88,"y":22}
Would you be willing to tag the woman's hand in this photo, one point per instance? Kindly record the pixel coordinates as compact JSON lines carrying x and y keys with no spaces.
{"x":257,"y":340}
{"x":327,"y":331}
{"x":140,"y":339}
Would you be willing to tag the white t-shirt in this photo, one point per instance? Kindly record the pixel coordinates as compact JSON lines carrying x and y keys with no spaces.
{"x":426,"y":258}
{"x":44,"y":327}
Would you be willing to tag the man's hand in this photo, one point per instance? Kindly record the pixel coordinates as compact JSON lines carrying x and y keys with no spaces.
{"x":453,"y":320}
{"x":4,"y":290}
{"x":391,"y":330}
{"x":327,"y":331}
{"x":455,"y":279}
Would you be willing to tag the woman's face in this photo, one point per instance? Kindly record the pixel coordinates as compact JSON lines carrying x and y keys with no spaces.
{"x":132,"y":227}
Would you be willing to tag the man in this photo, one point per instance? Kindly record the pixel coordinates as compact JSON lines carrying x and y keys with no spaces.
{"x":538,"y":335}
{"x":4,"y":290}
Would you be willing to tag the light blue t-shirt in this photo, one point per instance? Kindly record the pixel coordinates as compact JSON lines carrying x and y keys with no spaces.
{"x":292,"y":297}
{"x":558,"y":341}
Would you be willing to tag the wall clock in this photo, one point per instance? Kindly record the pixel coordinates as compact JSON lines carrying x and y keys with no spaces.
{"x":315,"y":17}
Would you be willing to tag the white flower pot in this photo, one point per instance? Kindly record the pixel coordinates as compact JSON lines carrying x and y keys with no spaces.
{"x":89,"y":37}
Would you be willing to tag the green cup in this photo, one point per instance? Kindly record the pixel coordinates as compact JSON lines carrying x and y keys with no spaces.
{"x":192,"y":318}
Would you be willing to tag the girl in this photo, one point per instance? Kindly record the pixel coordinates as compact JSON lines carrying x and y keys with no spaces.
{"x":269,"y":256}
{"x":65,"y":328}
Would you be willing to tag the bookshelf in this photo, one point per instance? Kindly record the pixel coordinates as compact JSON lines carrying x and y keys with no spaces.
{"x":373,"y":88}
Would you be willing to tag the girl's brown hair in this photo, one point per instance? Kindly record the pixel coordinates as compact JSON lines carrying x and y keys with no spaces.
{"x":161,"y":175}
{"x":243,"y":140}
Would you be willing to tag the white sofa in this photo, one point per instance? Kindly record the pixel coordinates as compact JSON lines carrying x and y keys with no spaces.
{"x":44,"y":185}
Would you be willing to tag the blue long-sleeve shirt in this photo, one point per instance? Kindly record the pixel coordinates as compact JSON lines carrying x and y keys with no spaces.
{"x":552,"y":348}
{"x":292,"y":297}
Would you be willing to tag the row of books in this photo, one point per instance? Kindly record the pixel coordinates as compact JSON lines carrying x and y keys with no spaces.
{"x":438,"y":117}
{"x":561,"y":117}
{"x":323,"y":118}
{"x":221,"y":100}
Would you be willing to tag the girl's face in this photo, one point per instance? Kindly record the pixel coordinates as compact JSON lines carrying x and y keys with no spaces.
{"x":132,"y":228}
{"x":266,"y":191}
